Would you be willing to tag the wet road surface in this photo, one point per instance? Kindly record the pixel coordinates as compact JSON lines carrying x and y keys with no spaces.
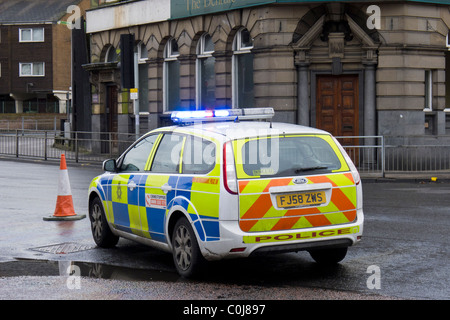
{"x":405,"y":237}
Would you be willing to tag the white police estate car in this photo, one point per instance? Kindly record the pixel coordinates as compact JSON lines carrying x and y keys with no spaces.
{"x":224,"y":187}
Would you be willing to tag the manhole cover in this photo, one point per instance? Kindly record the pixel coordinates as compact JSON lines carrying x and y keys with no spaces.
{"x":64,"y":248}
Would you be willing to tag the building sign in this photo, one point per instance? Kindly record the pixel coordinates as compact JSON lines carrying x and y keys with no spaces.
{"x":134,"y":95}
{"x":188,"y":8}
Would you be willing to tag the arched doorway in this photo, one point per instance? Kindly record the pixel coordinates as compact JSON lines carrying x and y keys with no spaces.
{"x":336,"y":58}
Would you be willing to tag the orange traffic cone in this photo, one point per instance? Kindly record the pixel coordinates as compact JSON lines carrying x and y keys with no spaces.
{"x":64,"y":204}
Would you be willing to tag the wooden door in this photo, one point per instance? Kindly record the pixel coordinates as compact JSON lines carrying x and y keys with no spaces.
{"x":338,"y":109}
{"x":112,"y":122}
{"x":111,"y":108}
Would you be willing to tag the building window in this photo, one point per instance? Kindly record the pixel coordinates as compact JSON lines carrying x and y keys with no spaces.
{"x":34,"y":69}
{"x":243,"y":94}
{"x":142,"y":52}
{"x":428,"y":90}
{"x":206,"y":77}
{"x":31,"y":35}
{"x":171,"y":76}
{"x":111,"y":55}
{"x":143,"y":77}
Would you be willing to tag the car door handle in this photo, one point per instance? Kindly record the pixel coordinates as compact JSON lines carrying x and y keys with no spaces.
{"x":132,"y":185}
{"x":166,"y":188}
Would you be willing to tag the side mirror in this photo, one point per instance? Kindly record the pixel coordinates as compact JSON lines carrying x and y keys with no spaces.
{"x":110,"y":165}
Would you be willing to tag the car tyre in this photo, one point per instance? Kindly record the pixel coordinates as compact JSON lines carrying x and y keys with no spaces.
{"x":328,"y":256}
{"x":101,"y":232}
{"x":187,"y":256}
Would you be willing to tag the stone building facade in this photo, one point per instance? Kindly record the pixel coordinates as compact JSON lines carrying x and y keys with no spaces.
{"x":354,"y":68}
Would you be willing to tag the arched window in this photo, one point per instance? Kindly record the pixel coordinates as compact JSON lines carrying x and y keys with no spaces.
{"x":206,"y":78}
{"x":243,"y":88}
{"x":111,"y":55}
{"x":171,"y":76}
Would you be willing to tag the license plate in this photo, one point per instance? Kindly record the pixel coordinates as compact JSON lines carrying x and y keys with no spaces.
{"x":301,"y":199}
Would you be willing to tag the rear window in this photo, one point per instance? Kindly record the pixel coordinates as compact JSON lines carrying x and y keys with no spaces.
{"x":287,"y":156}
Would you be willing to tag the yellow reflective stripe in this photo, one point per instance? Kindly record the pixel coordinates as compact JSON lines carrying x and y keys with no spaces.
{"x":94,"y":183}
{"x":337,"y":218}
{"x":350,"y":193}
{"x":135,"y":221}
{"x":152,"y":153}
{"x":237,"y":147}
{"x":337,"y":152}
{"x":264,"y":225}
{"x":205,"y":193}
{"x":206,"y":184}
{"x":302,"y":223}
{"x":144,"y":222}
{"x":206,"y":204}
{"x":302,"y":235}
{"x":183,"y":144}
{"x":109,"y":211}
{"x":340,"y":180}
{"x":329,"y":208}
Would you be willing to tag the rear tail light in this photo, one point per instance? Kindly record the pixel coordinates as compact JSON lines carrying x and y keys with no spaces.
{"x":229,"y":169}
{"x":354,"y":171}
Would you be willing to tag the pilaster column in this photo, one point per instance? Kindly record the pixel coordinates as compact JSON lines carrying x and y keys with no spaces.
{"x":369,"y":100}
{"x":303,"y":99}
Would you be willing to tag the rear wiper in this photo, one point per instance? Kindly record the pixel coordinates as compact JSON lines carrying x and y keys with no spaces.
{"x":310,"y":169}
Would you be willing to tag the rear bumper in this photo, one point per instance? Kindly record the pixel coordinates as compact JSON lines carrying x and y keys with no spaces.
{"x":323,"y":244}
{"x":235,"y":243}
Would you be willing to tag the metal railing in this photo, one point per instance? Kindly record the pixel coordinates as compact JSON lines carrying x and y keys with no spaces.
{"x":381,"y":155}
{"x":367,"y":153}
{"x":25,"y":123}
{"x":374,"y":156}
{"x":77,"y":146}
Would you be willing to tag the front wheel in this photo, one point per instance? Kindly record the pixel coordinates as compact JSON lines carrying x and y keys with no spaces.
{"x":328,"y":256}
{"x":101,"y":232}
{"x":186,"y":253}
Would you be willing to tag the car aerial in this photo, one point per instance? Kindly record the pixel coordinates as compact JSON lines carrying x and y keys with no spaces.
{"x":218,"y":185}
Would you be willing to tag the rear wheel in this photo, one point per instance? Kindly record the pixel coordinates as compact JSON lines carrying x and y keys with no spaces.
{"x":101,"y":232}
{"x":186,"y":253}
{"x":328,"y":256}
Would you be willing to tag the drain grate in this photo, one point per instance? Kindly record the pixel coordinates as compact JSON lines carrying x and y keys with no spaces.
{"x":64,"y":248}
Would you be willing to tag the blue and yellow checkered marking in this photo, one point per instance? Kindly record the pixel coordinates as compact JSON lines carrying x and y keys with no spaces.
{"x":128,"y":211}
{"x":201,"y":196}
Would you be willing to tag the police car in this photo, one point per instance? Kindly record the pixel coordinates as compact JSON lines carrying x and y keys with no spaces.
{"x":217,"y":186}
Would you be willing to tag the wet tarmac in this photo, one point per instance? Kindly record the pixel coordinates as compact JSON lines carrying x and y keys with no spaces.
{"x":405,"y":235}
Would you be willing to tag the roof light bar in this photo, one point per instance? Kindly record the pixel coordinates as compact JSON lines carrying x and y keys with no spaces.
{"x":180,"y":117}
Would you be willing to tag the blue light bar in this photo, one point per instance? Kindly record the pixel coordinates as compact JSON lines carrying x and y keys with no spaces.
{"x":183,"y":117}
